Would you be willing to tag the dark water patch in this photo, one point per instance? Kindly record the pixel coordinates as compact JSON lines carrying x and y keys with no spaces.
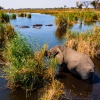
{"x":78,"y":89}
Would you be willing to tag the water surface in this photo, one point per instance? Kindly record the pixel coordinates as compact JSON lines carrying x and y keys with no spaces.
{"x":75,"y":88}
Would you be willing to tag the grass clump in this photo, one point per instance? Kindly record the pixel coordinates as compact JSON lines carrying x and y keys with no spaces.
{"x":4,"y":18}
{"x":13,"y":16}
{"x":6,"y":33}
{"x":21,"y":15}
{"x":28,"y":15}
{"x":26,"y":69}
{"x":52,"y":91}
{"x":87,"y":42}
{"x":61,"y":21}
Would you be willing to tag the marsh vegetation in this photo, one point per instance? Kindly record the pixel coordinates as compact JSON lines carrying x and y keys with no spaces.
{"x":28,"y":69}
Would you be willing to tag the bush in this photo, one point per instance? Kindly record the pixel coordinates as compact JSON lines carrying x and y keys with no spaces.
{"x":13,"y":16}
{"x":28,"y":15}
{"x":61,"y":21}
{"x":21,"y":15}
{"x":4,"y":18}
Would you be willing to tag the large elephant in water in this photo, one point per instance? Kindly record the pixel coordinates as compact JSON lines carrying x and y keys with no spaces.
{"x":77,"y":63}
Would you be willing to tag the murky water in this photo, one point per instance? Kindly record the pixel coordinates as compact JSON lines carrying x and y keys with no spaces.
{"x":75,"y":88}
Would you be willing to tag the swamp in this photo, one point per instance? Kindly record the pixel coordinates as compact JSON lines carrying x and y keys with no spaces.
{"x":26,"y":73}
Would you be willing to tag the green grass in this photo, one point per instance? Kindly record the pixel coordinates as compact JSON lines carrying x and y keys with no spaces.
{"x":6,"y":33}
{"x":65,"y":19}
{"x":4,"y":18}
{"x":13,"y":16}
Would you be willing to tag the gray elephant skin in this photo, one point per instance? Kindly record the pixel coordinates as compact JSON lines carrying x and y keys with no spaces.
{"x":77,"y":63}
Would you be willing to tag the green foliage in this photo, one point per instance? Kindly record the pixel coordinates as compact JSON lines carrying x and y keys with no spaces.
{"x":6,"y":33}
{"x":4,"y":18}
{"x":21,"y":15}
{"x":61,"y":21}
{"x":25,"y":68}
{"x":69,"y":18}
{"x":13,"y":16}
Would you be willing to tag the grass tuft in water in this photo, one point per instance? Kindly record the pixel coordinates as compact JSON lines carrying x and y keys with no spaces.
{"x":86,"y":42}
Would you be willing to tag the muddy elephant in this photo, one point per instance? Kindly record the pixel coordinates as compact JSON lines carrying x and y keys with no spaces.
{"x":77,"y":63}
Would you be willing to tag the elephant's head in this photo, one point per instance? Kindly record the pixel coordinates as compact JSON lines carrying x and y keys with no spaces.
{"x":55,"y":52}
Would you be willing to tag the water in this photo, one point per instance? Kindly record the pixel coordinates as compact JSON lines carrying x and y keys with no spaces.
{"x":45,"y":35}
{"x":75,"y":88}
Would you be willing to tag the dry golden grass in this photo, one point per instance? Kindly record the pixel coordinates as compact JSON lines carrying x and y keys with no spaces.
{"x":87,"y":42}
{"x":52,"y":91}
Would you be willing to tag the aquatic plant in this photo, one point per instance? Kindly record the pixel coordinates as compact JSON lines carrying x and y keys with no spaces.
{"x":86,"y":42}
{"x":52,"y":91}
{"x":4,"y":18}
{"x":28,"y":15}
{"x":21,"y":15}
{"x":27,"y":69}
{"x":6,"y":33}
{"x":61,"y":21}
{"x":13,"y":16}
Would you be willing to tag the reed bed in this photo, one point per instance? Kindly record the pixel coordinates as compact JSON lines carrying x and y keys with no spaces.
{"x":13,"y":16}
{"x":86,"y":42}
{"x":64,"y":19}
{"x":6,"y":33}
{"x":27,"y":69}
{"x":52,"y":91}
{"x":4,"y":18}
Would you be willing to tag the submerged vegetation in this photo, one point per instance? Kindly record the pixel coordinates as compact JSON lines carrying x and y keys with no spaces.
{"x":86,"y":42}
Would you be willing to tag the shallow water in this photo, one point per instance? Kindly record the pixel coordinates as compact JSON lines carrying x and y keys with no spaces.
{"x":75,"y":88}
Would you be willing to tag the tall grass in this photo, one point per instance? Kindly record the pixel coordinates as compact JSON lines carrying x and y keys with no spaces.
{"x":21,"y":14}
{"x":28,"y":15}
{"x":6,"y":33}
{"x":86,"y":42}
{"x":65,"y":19}
{"x":27,"y":69}
{"x":61,"y":21}
{"x":4,"y":18}
{"x":13,"y":16}
{"x":52,"y":91}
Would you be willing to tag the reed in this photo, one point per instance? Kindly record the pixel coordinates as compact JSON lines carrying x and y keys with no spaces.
{"x":86,"y":42}
{"x":28,"y":15}
{"x":21,"y":14}
{"x":4,"y":18}
{"x":52,"y":91}
{"x":6,"y":33}
{"x":13,"y":16}
{"x":61,"y":21}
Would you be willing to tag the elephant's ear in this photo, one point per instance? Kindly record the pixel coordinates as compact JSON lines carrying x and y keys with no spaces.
{"x":59,"y":56}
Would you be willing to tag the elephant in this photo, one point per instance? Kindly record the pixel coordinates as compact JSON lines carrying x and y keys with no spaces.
{"x":76,"y":62}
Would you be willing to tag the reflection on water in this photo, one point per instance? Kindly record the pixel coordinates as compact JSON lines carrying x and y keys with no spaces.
{"x":60,"y":34}
{"x":75,"y":88}
{"x":83,"y":26}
